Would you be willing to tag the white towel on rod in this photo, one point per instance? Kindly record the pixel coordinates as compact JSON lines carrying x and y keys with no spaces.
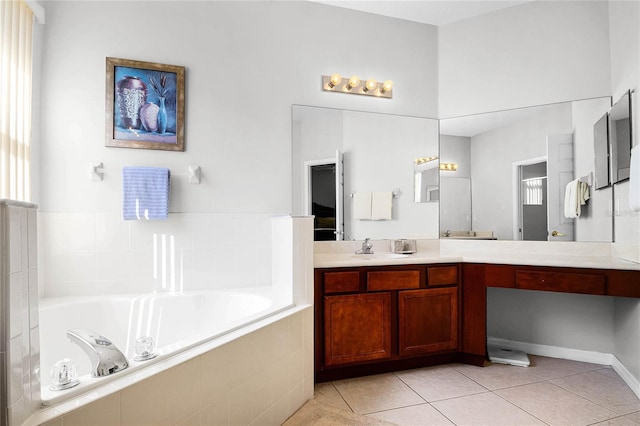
{"x":634,"y":179}
{"x":381,"y":205}
{"x":571,"y":203}
{"x":362,"y":205}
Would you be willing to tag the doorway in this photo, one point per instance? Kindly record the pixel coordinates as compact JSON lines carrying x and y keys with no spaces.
{"x":533,"y":201}
{"x":323,"y":201}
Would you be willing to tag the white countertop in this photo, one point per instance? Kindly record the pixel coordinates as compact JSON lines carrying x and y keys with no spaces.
{"x":572,"y":255}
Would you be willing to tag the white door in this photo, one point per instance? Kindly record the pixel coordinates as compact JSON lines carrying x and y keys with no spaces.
{"x":339,"y":196}
{"x":559,"y":174}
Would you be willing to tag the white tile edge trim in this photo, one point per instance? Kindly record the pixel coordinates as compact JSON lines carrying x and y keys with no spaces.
{"x":573,"y":355}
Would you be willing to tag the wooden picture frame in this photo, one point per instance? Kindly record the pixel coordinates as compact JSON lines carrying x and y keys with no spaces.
{"x":144,"y":105}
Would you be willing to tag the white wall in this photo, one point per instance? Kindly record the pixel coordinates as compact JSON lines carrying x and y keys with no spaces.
{"x":492,"y":156}
{"x":624,"y":21}
{"x":537,"y":53}
{"x":246,"y":64}
{"x":596,"y":221}
{"x":379,"y":153}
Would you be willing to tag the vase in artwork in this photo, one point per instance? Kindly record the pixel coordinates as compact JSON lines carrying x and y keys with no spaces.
{"x":131,"y":95}
{"x":162,"y":116}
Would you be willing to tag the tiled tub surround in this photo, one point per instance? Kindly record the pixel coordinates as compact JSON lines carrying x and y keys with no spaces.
{"x":19,"y":334}
{"x":99,"y":253}
{"x":175,"y":321}
{"x":259,"y":373}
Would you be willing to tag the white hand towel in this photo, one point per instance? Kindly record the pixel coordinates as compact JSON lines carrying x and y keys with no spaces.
{"x":362,"y":205}
{"x":571,"y":203}
{"x":634,"y":179}
{"x":583,"y":193}
{"x":381,"y":205}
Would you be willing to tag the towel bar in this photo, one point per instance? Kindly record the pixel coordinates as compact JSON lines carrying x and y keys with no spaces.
{"x":395,"y":193}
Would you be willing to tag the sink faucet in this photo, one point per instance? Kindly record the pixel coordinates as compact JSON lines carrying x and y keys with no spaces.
{"x":448,"y":233}
{"x":105,"y":357}
{"x":367,"y":246}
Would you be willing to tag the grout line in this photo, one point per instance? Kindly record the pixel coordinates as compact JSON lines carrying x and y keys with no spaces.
{"x":343,"y":398}
{"x":520,"y":408}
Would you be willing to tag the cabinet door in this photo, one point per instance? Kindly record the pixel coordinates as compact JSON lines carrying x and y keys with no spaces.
{"x":357,"y":328}
{"x":428,"y":320}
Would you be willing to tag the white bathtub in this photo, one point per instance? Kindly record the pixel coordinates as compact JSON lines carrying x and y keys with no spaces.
{"x":177,"y":322}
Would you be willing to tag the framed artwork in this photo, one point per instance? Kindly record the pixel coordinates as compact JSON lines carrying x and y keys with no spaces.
{"x":144,"y":105}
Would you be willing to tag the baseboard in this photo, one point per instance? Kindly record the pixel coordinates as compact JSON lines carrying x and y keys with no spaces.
{"x":573,"y":355}
{"x":626,"y":375}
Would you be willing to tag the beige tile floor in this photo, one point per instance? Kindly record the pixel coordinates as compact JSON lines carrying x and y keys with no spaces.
{"x":549,"y":392}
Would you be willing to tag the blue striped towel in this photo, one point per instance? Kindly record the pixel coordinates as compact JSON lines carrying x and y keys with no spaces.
{"x":145,"y":193}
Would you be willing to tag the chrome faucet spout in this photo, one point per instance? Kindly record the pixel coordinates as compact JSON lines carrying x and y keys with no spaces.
{"x":105,"y":357}
{"x":367,"y":247}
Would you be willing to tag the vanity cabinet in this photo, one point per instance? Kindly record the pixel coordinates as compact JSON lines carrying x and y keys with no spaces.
{"x":427,"y":321}
{"x":357,"y":327}
{"x":376,"y":319}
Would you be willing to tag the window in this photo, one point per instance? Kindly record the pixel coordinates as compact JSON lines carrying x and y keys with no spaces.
{"x":533,"y":192}
{"x":16,"y":24}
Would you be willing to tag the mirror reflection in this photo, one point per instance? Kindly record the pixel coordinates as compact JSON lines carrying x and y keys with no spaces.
{"x":369,"y":190}
{"x":620,"y":139}
{"x":513,"y":169}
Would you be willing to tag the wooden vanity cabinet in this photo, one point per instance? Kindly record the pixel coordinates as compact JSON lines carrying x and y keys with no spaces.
{"x":357,"y":327}
{"x":377,"y":319}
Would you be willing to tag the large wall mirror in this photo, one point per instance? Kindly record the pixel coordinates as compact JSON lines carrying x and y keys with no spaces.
{"x":512,"y":171}
{"x":339,"y":156}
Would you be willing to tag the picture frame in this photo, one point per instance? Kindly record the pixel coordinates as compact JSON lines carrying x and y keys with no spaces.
{"x":144,"y":105}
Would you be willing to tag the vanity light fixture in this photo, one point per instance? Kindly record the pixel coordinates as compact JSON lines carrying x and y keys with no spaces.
{"x":448,"y":167}
{"x":354,"y":81}
{"x":353,"y":85}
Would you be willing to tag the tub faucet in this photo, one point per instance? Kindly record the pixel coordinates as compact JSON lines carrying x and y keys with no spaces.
{"x":105,"y":357}
{"x":367,"y":247}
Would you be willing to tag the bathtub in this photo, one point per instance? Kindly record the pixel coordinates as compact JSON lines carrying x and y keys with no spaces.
{"x":176,"y":322}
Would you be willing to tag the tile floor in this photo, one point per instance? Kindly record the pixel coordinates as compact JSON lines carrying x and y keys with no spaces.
{"x":550,"y":391}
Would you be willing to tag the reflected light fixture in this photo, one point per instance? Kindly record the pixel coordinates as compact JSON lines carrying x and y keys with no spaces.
{"x":449,"y":167}
{"x":422,"y":160}
{"x":353,"y":85}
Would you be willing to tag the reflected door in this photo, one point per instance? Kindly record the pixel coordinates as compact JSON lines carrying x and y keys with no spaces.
{"x":324,"y":197}
{"x":559,"y":174}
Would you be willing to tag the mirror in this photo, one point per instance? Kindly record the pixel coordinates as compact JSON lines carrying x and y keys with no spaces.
{"x":377,"y":154}
{"x":620,"y":139}
{"x":508,"y":184}
{"x":601,"y":148}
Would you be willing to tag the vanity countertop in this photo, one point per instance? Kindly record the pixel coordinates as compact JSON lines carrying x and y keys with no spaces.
{"x":587,"y":255}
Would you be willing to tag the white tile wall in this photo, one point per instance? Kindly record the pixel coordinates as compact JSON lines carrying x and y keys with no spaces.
{"x":260,"y":378}
{"x":19,"y":347}
{"x":99,"y":253}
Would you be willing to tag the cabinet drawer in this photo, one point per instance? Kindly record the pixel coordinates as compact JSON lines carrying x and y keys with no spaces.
{"x":442,"y":275}
{"x":500,"y":276}
{"x":341,"y":282}
{"x":393,"y":280}
{"x":567,"y":282}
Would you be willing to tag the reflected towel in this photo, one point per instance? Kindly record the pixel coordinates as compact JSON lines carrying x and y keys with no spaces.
{"x":362,"y":205}
{"x":145,"y":193}
{"x":381,"y":205}
{"x":634,"y":180}
{"x":571,"y":203}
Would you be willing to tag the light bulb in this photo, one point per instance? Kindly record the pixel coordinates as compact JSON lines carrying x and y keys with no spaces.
{"x":370,"y":85}
{"x":353,"y":82}
{"x":387,"y":86}
{"x":335,"y":80}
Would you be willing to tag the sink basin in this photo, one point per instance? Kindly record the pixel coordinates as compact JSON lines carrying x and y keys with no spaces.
{"x":377,"y":256}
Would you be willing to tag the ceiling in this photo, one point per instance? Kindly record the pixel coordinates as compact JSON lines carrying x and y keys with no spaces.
{"x":433,"y":12}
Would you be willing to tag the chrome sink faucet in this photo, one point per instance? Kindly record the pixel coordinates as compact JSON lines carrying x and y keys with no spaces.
{"x":367,"y":247}
{"x":105,"y":357}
